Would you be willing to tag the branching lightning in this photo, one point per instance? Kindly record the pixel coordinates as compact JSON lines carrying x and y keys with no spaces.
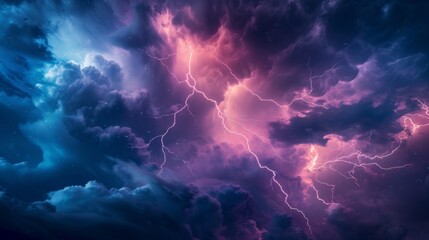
{"x":359,"y":156}
{"x":299,"y":97}
{"x":191,"y":83}
{"x":310,"y":174}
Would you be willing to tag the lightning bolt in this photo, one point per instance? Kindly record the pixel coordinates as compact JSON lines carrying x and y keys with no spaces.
{"x":425,"y":115}
{"x":300,"y":97}
{"x":161,"y":60}
{"x":313,"y":159}
{"x":192,"y":84}
{"x":362,"y":160}
{"x":314,"y":166}
{"x":352,"y":157}
{"x":162,"y":136}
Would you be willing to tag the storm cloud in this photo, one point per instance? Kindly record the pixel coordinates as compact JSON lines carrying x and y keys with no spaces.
{"x":214,"y":119}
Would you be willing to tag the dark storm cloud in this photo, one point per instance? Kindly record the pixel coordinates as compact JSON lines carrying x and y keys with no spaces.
{"x":347,"y":121}
{"x":118,"y":142}
{"x":24,"y":49}
{"x":27,"y":26}
{"x":159,"y":210}
{"x":204,"y":20}
{"x":99,"y":114}
{"x":281,"y":227}
{"x":100,"y":125}
{"x":275,"y":25}
{"x":26,"y":39}
{"x":206,"y":218}
{"x":12,"y":2}
{"x":381,"y":23}
{"x":246,"y":210}
{"x":237,"y":207}
{"x":108,"y":123}
{"x":95,"y":124}
{"x":320,"y":36}
{"x":391,"y":30}
{"x":13,"y":77}
{"x":109,"y":68}
{"x":24,"y":31}
{"x":226,"y":212}
{"x":17,"y":147}
{"x":395,"y":206}
{"x":86,"y":25}
{"x":353,"y":224}
{"x":93,"y":211}
{"x":310,"y":59}
{"x":85,"y":88}
{"x":140,"y":32}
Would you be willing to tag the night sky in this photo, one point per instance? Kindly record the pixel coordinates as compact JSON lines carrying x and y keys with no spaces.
{"x":214,"y":119}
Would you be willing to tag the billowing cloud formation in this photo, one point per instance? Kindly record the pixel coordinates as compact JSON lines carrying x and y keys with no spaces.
{"x":214,"y":119}
{"x":347,"y":121}
{"x":156,"y":211}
